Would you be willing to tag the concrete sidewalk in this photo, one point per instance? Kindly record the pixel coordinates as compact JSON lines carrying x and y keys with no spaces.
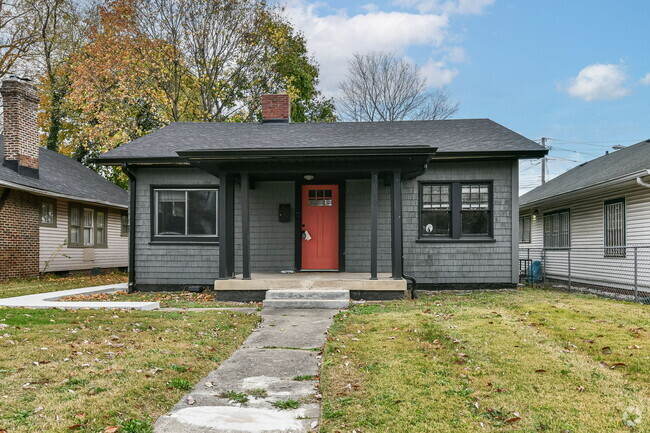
{"x":50,"y":300}
{"x":283,"y":348}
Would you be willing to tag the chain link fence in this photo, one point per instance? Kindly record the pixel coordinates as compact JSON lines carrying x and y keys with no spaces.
{"x":621,"y":272}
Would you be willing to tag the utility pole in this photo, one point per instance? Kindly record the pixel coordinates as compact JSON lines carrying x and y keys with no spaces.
{"x":544,"y":162}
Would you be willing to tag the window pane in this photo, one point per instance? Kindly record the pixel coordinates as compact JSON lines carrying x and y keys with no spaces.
{"x":88,"y":227}
{"x":475,"y":197}
{"x":74,"y":235}
{"x":47,"y":213}
{"x":202,"y":213}
{"x":171,"y":212}
{"x":475,"y":222}
{"x":436,"y":223}
{"x":615,"y":229}
{"x":435,"y":197}
{"x":101,"y":223}
{"x":74,"y":216}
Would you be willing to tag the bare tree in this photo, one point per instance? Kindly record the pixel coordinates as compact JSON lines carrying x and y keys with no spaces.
{"x":16,"y":34}
{"x":382,"y":87}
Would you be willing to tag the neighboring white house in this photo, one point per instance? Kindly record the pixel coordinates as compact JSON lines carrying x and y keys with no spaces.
{"x":594,"y":220}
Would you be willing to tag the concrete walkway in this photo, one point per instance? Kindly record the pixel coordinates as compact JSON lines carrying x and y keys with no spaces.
{"x":284,"y":347}
{"x":50,"y":300}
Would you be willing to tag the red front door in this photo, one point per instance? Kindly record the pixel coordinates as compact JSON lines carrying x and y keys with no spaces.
{"x":320,"y":227}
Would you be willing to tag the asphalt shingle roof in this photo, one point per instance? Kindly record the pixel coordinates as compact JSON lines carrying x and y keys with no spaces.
{"x":464,"y":136}
{"x":63,"y":175}
{"x":629,"y":160}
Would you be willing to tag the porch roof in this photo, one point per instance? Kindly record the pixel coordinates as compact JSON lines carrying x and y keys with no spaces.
{"x":452,"y":138}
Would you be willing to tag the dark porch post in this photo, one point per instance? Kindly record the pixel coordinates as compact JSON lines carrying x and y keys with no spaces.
{"x":223,"y":226}
{"x":374,"y":218}
{"x":245,"y":229}
{"x":396,"y":220}
{"x":230,"y":224}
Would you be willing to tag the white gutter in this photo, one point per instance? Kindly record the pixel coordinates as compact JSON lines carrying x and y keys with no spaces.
{"x":624,"y":178}
{"x":640,"y":181}
{"x":56,"y":194}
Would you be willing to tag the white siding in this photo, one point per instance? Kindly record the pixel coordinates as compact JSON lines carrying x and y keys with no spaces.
{"x":63,"y":258}
{"x":588,"y":263}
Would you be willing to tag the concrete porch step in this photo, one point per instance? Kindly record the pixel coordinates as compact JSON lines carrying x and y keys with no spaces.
{"x":307,"y":299}
{"x":333,"y":294}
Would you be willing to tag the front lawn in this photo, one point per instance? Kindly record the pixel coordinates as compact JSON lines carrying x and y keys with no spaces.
{"x":52,"y":283}
{"x":92,"y":370}
{"x":524,"y":361}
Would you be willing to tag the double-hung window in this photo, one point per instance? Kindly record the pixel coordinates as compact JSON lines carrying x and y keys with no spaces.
{"x":524,"y":229}
{"x":557,"y":229}
{"x":614,"y":224}
{"x":87,"y":226}
{"x":185,"y":214}
{"x":455,"y":210}
{"x":48,"y":212}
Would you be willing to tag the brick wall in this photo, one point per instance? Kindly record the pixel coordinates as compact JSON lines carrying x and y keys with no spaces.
{"x":20,"y":111}
{"x":19,"y":238}
{"x":276,"y":107}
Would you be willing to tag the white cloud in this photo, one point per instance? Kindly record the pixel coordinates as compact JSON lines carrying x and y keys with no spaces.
{"x":599,"y":81}
{"x":333,"y":38}
{"x":448,"y":7}
{"x":646,"y":79}
{"x":437,"y":73}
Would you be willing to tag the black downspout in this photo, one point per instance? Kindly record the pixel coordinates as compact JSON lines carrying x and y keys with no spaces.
{"x":131,"y":214}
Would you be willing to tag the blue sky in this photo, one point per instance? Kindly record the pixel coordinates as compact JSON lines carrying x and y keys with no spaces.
{"x":575,"y":71}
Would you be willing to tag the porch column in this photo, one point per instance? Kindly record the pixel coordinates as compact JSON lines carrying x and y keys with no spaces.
{"x":374,"y":218}
{"x":230,"y":224}
{"x":223,"y":225}
{"x":245,"y":229}
{"x":396,"y":224}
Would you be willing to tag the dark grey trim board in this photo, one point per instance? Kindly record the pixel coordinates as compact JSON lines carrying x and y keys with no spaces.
{"x":167,"y":287}
{"x":240,"y":295}
{"x":377,"y":295}
{"x":464,"y":286}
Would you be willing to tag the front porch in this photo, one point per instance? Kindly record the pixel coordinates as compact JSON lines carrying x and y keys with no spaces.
{"x":359,"y":285}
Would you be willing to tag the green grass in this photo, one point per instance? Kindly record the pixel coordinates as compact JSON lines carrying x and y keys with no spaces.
{"x":257,"y":392}
{"x":87,"y":370}
{"x":524,"y":361}
{"x":304,"y":377}
{"x":235,"y":396}
{"x":52,"y":283}
{"x":286,"y":404}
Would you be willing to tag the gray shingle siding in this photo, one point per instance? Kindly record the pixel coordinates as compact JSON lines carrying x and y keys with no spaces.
{"x":462,"y":263}
{"x":272,"y":242}
{"x":357,"y":227}
{"x":170,"y":264}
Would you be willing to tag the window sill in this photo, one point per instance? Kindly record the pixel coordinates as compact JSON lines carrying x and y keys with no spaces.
{"x":455,"y":241}
{"x":83,"y":247}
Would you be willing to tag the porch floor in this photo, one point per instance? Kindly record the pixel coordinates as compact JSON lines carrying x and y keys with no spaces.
{"x":313,"y":281}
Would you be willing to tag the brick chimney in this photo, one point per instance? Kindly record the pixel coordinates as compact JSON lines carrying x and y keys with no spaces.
{"x":20,"y":110}
{"x":276,"y":109}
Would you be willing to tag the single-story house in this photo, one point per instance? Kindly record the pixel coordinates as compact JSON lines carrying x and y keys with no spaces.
{"x":56,"y":215}
{"x":213,"y":203}
{"x":599,"y":213}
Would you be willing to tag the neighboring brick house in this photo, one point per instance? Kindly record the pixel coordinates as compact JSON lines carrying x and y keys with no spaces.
{"x":55,"y":214}
{"x":432,"y":200}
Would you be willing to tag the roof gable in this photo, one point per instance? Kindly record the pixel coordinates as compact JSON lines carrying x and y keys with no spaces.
{"x":627,"y":161}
